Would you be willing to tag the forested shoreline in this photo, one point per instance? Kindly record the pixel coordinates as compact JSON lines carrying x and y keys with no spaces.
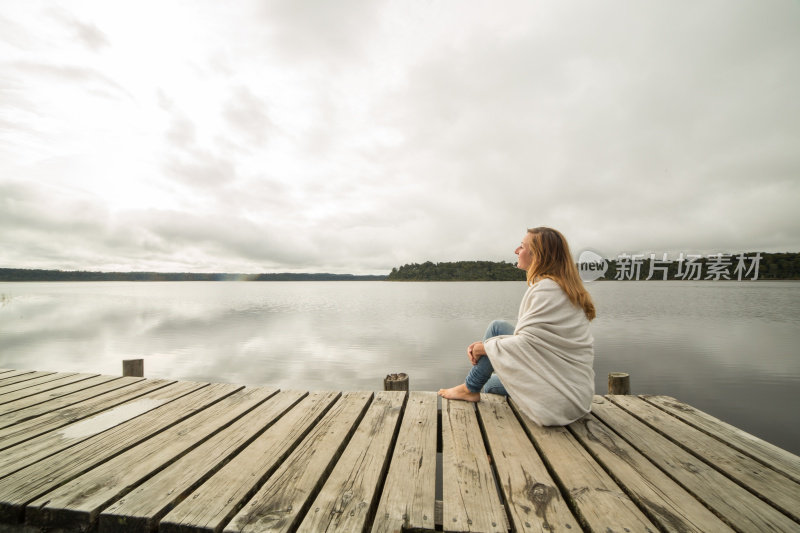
{"x":749,"y":266}
{"x":21,"y":274}
{"x":752,"y":265}
{"x":458,"y":271}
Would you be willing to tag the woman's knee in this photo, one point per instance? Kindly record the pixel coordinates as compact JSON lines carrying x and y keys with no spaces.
{"x":499,"y":327}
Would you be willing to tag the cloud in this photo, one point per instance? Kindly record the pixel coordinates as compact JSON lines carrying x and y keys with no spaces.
{"x":358,"y":136}
{"x":43,"y":227}
{"x":320,"y":31}
{"x":247,"y":115}
{"x":200,"y":168}
{"x":181,"y":131}
{"x":87,"y":33}
{"x":591,"y":130}
{"x":185,"y":159}
{"x":210,"y":238}
{"x":37,"y":208}
{"x":87,"y":77}
{"x":15,"y":34}
{"x":32,"y":96}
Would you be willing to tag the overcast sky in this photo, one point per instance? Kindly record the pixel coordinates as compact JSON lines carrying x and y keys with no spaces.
{"x":354,"y":136}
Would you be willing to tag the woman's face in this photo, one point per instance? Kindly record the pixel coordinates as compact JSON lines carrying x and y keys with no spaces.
{"x":524,"y":257}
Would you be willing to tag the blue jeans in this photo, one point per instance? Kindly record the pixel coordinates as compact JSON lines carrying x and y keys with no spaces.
{"x":481,"y":377}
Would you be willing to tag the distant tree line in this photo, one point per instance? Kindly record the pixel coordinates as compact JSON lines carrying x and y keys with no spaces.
{"x":763,"y":266}
{"x":457,"y":271}
{"x":22,"y":274}
{"x":769,"y":266}
{"x":316,"y":277}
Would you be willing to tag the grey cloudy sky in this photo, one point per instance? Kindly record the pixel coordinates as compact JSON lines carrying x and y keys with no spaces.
{"x":353,"y":136}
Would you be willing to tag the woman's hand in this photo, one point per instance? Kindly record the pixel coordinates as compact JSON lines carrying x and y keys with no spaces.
{"x":475,"y":351}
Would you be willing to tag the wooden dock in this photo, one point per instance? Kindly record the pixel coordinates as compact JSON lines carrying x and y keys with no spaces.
{"x":81,"y":452}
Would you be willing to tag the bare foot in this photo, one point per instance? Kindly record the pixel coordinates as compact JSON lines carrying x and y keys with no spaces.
{"x":461,"y":392}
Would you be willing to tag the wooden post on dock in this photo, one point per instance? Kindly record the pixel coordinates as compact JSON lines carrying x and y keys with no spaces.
{"x":396,"y":382}
{"x":619,"y":383}
{"x":133,"y":368}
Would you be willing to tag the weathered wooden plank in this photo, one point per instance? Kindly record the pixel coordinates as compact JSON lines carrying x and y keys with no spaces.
{"x":282,"y":501}
{"x":215,"y":502}
{"x":61,"y":397}
{"x":11,"y":373}
{"x":142,"y":509}
{"x":780,"y":460}
{"x":349,"y":496}
{"x":51,"y":390}
{"x":21,"y":376}
{"x":77,"y":503}
{"x":25,"y":485}
{"x":33,"y":386}
{"x":409,"y":493}
{"x":32,"y":450}
{"x":666,"y":503}
{"x":25,"y":424}
{"x":599,"y":502}
{"x":532,"y":498}
{"x":777,"y":489}
{"x":470,"y":501}
{"x":162,"y":472}
{"x":728,"y":500}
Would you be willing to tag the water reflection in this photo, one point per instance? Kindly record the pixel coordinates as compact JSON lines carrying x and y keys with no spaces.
{"x":728,"y":348}
{"x":108,"y":419}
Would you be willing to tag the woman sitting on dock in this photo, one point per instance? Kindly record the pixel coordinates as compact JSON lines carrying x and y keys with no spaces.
{"x":545,"y":363}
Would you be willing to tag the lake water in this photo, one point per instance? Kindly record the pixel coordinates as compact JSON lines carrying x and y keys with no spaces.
{"x":729,"y":348}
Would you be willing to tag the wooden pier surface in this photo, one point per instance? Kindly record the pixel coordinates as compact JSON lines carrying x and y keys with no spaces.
{"x":85,"y":452}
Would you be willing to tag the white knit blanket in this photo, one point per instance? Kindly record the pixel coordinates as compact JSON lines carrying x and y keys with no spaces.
{"x":546,"y":366}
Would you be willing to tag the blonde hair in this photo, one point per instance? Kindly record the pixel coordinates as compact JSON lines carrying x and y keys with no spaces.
{"x":552,"y":259}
